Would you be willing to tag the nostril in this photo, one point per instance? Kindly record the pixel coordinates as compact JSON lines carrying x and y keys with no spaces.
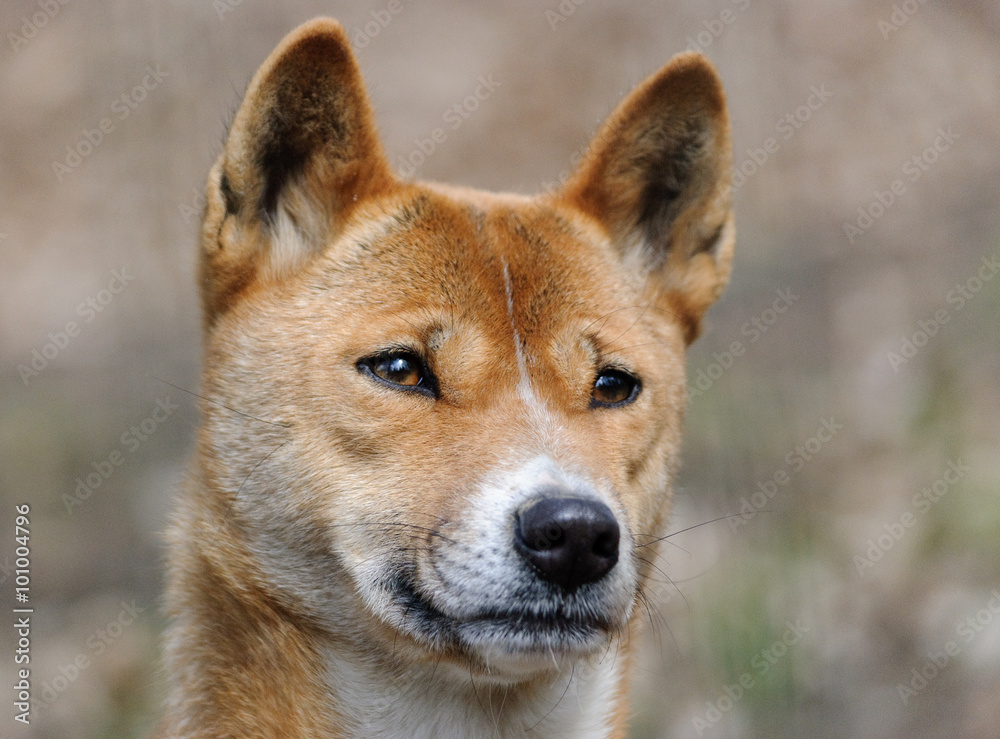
{"x":606,"y":545}
{"x":568,"y":541}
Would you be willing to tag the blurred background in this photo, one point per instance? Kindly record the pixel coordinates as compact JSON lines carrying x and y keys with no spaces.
{"x":834,"y":566}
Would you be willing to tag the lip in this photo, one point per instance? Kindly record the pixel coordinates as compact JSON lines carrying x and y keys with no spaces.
{"x":513,"y":631}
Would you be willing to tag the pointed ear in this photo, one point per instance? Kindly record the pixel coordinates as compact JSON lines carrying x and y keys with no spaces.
{"x":657,"y":177}
{"x":301,"y":154}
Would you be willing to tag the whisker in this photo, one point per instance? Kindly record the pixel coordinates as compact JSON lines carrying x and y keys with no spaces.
{"x":400,"y":524}
{"x":548,"y":713}
{"x":652,"y":619}
{"x":669,"y":581}
{"x":690,"y":528}
{"x":475,"y":691}
{"x":216,"y":402}
{"x":608,"y":315}
{"x":666,"y":577}
{"x":630,"y":327}
{"x":654,"y":538}
{"x":636,"y":346}
{"x":666,"y":625}
{"x":250,"y":473}
{"x":503,"y":702}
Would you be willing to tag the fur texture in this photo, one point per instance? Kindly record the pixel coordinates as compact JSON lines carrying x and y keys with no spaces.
{"x":393,"y":371}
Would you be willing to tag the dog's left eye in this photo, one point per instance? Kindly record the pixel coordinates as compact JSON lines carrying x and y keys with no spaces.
{"x":614,"y":387}
{"x":403,"y":369}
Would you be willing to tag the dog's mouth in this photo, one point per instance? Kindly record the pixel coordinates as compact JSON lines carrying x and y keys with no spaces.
{"x":555,"y":628}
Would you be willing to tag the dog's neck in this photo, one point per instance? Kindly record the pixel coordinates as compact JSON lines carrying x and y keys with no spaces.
{"x":444,"y":702}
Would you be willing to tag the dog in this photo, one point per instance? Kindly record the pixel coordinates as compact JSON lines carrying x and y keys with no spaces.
{"x":439,"y":425}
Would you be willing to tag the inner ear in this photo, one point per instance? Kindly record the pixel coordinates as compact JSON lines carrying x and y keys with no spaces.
{"x":657,"y":178}
{"x":309,"y":107}
{"x":305,"y":121}
{"x":670,"y":172}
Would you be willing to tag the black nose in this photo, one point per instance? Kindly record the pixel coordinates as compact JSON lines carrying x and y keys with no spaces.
{"x":570,"y":541}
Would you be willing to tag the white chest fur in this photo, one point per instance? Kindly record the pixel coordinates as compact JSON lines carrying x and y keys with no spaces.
{"x":442,"y":703}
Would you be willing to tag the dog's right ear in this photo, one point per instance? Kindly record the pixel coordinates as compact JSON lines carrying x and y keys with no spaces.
{"x":301,"y":154}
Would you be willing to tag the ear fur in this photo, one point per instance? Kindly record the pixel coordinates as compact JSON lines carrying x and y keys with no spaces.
{"x":301,"y":153}
{"x":657,"y":178}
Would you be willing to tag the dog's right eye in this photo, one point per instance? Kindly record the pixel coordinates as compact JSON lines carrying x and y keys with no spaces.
{"x":401,"y":369}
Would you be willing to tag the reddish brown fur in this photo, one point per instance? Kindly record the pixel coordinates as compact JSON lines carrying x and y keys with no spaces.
{"x":313,"y":256}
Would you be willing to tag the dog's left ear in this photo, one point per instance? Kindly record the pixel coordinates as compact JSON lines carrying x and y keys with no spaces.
{"x":657,"y":178}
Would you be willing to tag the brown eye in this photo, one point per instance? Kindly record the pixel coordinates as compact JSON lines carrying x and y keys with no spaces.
{"x":403,"y":370}
{"x":614,"y":387}
{"x":399,"y":370}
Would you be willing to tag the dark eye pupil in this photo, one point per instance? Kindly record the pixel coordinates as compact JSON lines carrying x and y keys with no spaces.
{"x":399,"y":369}
{"x":613,"y":386}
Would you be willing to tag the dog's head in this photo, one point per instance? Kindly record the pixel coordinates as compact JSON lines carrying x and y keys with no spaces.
{"x":446,"y":420}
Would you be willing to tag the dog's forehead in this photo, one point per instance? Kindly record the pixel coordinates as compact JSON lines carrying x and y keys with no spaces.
{"x":475,"y":248}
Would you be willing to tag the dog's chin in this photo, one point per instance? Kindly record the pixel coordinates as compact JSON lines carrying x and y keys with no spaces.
{"x":519,"y":645}
{"x":504,"y":643}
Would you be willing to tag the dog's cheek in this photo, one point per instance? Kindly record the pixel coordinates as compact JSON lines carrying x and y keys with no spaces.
{"x":645,"y":459}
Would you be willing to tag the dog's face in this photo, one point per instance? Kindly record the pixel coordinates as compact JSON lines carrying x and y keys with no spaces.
{"x":447,"y":420}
